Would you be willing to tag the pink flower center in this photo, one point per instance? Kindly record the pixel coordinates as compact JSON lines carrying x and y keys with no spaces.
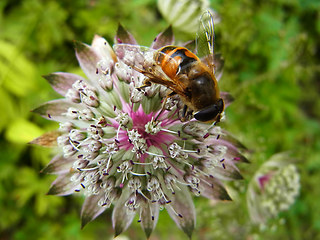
{"x":139,"y":121}
{"x":263,"y":180}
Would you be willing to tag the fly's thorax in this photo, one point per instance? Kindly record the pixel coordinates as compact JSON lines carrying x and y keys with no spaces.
{"x":203,"y":86}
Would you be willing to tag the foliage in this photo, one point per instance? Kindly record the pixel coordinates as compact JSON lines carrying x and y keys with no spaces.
{"x":271,"y":51}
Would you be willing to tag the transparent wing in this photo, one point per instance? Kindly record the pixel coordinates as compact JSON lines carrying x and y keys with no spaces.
{"x":218,"y":62}
{"x":205,"y":38}
{"x":135,"y":56}
{"x":144,"y":60}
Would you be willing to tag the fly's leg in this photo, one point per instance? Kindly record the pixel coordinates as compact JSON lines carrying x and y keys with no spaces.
{"x":164,"y":103}
{"x":184,"y":112}
{"x":146,"y":83}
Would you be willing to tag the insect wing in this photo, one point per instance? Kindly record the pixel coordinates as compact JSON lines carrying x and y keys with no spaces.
{"x":218,"y":65}
{"x":205,"y":39}
{"x":134,"y":56}
{"x":143,"y":60}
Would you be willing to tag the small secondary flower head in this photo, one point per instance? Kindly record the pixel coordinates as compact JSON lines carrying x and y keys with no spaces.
{"x":118,"y":148}
{"x":273,"y":189}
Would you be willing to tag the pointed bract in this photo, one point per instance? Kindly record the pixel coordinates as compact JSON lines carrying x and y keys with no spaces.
{"x":232,"y":145}
{"x":88,"y":59}
{"x":100,"y":45}
{"x":254,"y":207}
{"x":190,"y":45}
{"x":91,"y":209}
{"x":227,"y":98}
{"x":149,"y":217}
{"x":213,"y":189}
{"x":123,"y":36}
{"x":54,"y":110}
{"x":182,"y":210}
{"x":163,"y":39}
{"x":227,"y":137}
{"x":61,"y":82}
{"x":48,"y":139}
{"x":229,"y":172}
{"x":239,"y":158}
{"x":58,"y":165}
{"x":121,"y":218}
{"x":62,"y":186}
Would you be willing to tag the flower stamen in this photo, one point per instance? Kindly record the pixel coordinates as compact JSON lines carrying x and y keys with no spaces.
{"x":169,"y":131}
{"x":138,"y":174}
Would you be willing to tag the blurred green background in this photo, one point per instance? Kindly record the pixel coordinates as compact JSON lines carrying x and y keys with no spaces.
{"x":272,"y":53}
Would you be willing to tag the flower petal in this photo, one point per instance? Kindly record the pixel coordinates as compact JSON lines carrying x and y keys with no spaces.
{"x":91,"y":209}
{"x":213,"y":189}
{"x":58,"y":165}
{"x":61,"y":81}
{"x":123,"y":36}
{"x":163,"y":39}
{"x":149,"y":217}
{"x":121,"y":219}
{"x":63,"y":186}
{"x":52,"y":110}
{"x":182,"y":210}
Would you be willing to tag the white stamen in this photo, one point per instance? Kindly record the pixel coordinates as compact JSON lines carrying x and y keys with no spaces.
{"x":74,"y":146}
{"x":154,"y":154}
{"x":138,"y":174}
{"x":169,"y":131}
{"x":122,"y":118}
{"x":140,"y":163}
{"x":176,"y":151}
{"x":89,"y":169}
{"x":152,"y":127}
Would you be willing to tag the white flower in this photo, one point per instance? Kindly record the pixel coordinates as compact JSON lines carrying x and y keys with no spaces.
{"x":114,"y":151}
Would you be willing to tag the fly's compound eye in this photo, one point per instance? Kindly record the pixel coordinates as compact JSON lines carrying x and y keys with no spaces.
{"x":211,"y":113}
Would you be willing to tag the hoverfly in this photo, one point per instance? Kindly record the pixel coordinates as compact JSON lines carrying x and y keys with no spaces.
{"x":181,"y":71}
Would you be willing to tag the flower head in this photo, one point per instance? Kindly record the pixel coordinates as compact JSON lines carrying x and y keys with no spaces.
{"x":119,"y":148}
{"x":273,"y":189}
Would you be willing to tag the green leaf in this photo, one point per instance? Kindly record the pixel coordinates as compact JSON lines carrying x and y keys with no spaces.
{"x":17,"y":74}
{"x":22,"y":131}
{"x":7,"y":107}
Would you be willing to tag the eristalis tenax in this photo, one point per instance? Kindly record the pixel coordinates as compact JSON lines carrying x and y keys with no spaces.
{"x":186,"y":74}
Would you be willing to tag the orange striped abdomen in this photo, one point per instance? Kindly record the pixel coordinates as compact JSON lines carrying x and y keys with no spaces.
{"x":175,"y":60}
